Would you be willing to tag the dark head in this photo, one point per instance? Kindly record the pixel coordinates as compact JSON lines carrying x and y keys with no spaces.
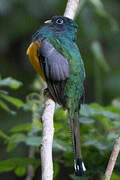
{"x":59,"y":26}
{"x":60,"y":23}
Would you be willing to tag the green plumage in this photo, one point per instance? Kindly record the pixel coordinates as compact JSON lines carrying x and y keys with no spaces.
{"x":61,"y":34}
{"x":74,"y":86}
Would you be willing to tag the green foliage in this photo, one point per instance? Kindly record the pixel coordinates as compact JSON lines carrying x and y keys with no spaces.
{"x":59,"y":145}
{"x":13,"y":84}
{"x":10,"y":82}
{"x":98,"y":54}
{"x":20,"y":171}
{"x":33,"y":141}
{"x":96,"y":121}
{"x":98,"y":39}
{"x":3,"y":135}
{"x":16,"y":102}
{"x":5,"y":107}
{"x":77,"y":178}
{"x":56,"y":169}
{"x":101,"y":117}
{"x":19,"y":165}
{"x":22,"y":127}
{"x":113,"y":177}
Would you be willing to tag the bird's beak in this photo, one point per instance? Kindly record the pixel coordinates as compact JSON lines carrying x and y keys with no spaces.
{"x":48,"y":22}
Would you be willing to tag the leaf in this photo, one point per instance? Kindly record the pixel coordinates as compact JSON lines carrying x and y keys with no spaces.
{"x":113,"y":109}
{"x":105,"y":122}
{"x":99,"y":57}
{"x":34,"y":130}
{"x":22,"y":127}
{"x":6,"y":165}
{"x":17,"y":138}
{"x":78,"y":178}
{"x":20,"y":171}
{"x":14,"y":101}
{"x":99,"y":8}
{"x":11,"y":146}
{"x":14,"y":140}
{"x":112,"y":136}
{"x":3,"y":92}
{"x":104,"y":111}
{"x":84,"y":120}
{"x":95,"y":109}
{"x":10,"y":82}
{"x":59,"y":145}
{"x":97,"y":3}
{"x":116,"y":124}
{"x":115,"y":176}
{"x":3,"y":135}
{"x":61,"y":114}
{"x":56,"y":168}
{"x":33,"y":141}
{"x":6,"y":108}
{"x":102,"y":12}
{"x":18,"y":164}
{"x":99,"y":145}
{"x":58,"y":126}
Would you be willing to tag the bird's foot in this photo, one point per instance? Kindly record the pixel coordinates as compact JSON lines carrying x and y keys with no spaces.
{"x":47,"y":94}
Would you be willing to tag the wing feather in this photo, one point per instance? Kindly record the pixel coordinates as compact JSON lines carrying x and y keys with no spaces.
{"x":56,"y":70}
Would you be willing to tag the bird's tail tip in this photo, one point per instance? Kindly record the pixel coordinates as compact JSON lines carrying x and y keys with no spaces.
{"x":79,"y":167}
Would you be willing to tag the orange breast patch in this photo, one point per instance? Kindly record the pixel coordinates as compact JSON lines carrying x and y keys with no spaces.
{"x":33,"y":57}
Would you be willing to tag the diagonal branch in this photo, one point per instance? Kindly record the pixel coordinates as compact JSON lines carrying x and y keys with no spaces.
{"x":112,"y":159}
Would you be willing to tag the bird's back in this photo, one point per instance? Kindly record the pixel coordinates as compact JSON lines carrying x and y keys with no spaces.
{"x":74,"y":85}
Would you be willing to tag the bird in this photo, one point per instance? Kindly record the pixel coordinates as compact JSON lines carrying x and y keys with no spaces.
{"x":55,"y":55}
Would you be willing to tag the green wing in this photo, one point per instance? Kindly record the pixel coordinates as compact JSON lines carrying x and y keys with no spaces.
{"x":74,"y":86}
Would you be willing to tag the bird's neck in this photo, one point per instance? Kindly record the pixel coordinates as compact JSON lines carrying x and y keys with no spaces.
{"x":69,"y":35}
{"x":64,"y":34}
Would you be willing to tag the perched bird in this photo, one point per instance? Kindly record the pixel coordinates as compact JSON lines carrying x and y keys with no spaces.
{"x":55,"y":56}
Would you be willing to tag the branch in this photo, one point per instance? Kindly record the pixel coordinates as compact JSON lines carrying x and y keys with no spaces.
{"x":47,"y":118}
{"x":30,"y":171}
{"x":112,"y":159}
{"x":47,"y":140}
{"x":71,"y":8}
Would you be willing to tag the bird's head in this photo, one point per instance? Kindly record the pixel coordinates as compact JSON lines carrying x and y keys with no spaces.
{"x":62,"y":25}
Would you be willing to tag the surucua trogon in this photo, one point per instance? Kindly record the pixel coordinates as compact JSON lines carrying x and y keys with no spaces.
{"x":55,"y":56}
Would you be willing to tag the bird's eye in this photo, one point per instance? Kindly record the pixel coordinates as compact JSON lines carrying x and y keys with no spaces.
{"x":59,"y":21}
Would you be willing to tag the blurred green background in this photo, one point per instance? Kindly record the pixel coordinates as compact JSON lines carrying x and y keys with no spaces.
{"x":99,"y":42}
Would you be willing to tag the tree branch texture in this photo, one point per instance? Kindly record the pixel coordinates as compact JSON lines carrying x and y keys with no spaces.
{"x":71,"y":8}
{"x":30,"y":171}
{"x":113,"y":158}
{"x":47,"y":140}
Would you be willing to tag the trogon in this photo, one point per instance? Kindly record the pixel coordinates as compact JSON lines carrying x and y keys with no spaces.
{"x":55,"y":56}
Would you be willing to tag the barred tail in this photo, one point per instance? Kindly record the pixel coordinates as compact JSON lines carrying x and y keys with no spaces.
{"x":75,"y":132}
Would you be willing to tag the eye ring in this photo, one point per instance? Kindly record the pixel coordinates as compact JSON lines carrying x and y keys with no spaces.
{"x":59,"y":21}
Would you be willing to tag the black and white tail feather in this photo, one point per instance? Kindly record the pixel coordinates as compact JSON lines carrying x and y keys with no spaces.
{"x":79,"y":167}
{"x":75,"y":133}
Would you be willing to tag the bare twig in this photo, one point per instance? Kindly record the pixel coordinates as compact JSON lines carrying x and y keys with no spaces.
{"x":30,"y":172}
{"x":47,"y":118}
{"x":112,"y":159}
{"x":47,"y":139}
